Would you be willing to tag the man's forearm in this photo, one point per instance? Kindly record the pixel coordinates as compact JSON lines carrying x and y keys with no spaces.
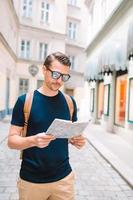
{"x":21,"y":143}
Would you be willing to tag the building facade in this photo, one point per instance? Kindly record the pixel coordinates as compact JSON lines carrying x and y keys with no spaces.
{"x":109,"y":69}
{"x":29,"y":31}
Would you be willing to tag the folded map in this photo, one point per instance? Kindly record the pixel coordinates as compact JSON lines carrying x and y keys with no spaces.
{"x":66,"y":129}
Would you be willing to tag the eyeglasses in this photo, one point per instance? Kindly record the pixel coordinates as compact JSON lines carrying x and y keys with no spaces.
{"x":56,"y":75}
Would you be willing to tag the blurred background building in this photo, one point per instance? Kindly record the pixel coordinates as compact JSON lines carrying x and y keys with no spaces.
{"x":29,"y":31}
{"x":109,"y":68}
{"x":97,"y":35}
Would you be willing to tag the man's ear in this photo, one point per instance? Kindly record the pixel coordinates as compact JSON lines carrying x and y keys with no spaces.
{"x":43,"y":69}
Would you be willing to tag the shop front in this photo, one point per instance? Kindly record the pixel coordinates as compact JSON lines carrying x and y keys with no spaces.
{"x":110,"y":78}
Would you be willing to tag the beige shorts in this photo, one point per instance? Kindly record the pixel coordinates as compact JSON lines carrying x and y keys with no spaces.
{"x":59,"y":190}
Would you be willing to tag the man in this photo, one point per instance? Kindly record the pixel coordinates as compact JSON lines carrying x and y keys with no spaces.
{"x":45,"y":170}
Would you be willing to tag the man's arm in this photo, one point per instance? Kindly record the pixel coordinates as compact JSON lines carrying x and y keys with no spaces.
{"x":16,"y":141}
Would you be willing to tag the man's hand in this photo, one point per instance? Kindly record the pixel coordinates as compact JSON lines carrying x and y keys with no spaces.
{"x":78,"y":141}
{"x":42,"y":140}
{"x":16,"y":141}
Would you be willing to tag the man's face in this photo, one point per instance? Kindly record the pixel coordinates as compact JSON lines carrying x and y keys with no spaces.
{"x":51,"y":83}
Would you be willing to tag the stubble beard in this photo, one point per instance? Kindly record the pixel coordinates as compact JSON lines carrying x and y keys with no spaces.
{"x":53,"y":86}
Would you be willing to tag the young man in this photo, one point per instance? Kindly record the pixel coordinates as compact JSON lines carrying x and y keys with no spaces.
{"x":45,"y":170}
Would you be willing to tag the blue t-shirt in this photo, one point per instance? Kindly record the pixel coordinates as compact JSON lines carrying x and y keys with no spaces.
{"x":49,"y":164}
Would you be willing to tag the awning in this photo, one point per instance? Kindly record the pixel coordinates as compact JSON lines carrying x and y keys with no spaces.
{"x":130,"y":41}
{"x":91,"y":71}
{"x":112,"y":57}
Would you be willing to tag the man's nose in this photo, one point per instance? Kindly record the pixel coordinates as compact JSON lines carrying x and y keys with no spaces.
{"x":59,"y":80}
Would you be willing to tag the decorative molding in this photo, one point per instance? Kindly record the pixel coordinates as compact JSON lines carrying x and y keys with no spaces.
{"x":50,"y":33}
{"x":73,"y":19}
{"x":11,"y":4}
{"x":74,"y":44}
{"x":76,"y":7}
{"x":28,"y":61}
{"x":6,"y":45}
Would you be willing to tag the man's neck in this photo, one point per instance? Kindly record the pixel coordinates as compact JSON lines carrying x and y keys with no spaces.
{"x":47,"y":92}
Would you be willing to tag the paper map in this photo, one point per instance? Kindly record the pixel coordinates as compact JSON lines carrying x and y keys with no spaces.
{"x":66,"y":129}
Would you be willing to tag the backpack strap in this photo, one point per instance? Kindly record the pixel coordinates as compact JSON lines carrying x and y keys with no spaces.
{"x":27,"y":109}
{"x":70,"y":104}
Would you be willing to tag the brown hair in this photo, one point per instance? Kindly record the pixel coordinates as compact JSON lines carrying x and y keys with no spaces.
{"x":62,"y":58}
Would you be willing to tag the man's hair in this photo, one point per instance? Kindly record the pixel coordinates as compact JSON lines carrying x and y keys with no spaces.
{"x":62,"y":58}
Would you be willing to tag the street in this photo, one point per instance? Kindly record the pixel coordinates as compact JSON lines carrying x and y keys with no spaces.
{"x":95,"y":178}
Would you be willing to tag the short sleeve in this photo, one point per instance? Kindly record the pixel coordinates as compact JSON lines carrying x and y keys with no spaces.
{"x":18,"y":114}
{"x":74,"y":117}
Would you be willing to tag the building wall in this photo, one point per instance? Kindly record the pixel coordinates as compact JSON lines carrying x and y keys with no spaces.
{"x":9,"y":24}
{"x":57,"y":18}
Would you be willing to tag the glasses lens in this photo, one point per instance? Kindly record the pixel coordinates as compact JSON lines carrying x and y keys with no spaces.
{"x":56,"y":75}
{"x":65,"y":77}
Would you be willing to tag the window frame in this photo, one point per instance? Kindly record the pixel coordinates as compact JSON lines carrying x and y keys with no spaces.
{"x":92,"y":99}
{"x":129,"y":100}
{"x":72,"y":60}
{"x":106,"y":99}
{"x":23,"y":90}
{"x":72,"y":2}
{"x":25,"y":48}
{"x":45,"y":11}
{"x":72,"y":30}
{"x":43,"y":51}
{"x":27,"y":12}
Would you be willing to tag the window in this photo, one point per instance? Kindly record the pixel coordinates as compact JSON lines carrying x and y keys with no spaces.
{"x":72,"y":60}
{"x":100,"y":99}
{"x":25,"y":49}
{"x":23,"y":86}
{"x":130,"y":101}
{"x":43,"y":51}
{"x":27,"y":8}
{"x":106,"y":99}
{"x":72,"y":2}
{"x":120,"y":102}
{"x":72,"y":30}
{"x":45,"y":11}
{"x":92,"y":96}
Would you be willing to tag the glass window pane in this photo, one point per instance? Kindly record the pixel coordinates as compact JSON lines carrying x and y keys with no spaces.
{"x":100,"y":99}
{"x":121,"y":87}
{"x":45,"y":7}
{"x":130,"y":101}
{"x":23,"y":86}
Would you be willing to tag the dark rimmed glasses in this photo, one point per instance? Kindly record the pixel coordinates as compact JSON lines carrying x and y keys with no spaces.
{"x":56,"y":75}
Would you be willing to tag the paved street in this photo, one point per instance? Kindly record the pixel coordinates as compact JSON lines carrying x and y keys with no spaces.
{"x":95,"y":178}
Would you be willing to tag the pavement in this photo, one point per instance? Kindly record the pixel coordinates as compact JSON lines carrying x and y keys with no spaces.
{"x":99,"y":167}
{"x":117,"y":149}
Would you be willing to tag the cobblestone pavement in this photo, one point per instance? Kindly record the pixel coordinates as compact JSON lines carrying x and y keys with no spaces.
{"x":95,"y":178}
